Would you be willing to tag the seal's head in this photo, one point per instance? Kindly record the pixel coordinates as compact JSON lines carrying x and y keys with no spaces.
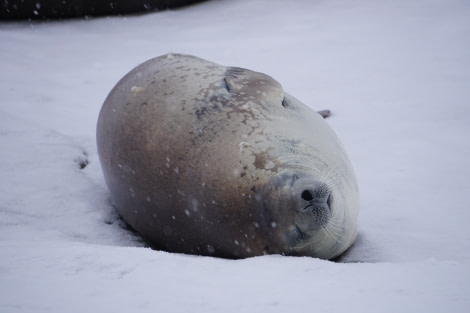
{"x":309,"y":196}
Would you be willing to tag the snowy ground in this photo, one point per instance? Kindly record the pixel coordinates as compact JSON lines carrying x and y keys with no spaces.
{"x":396,"y":75}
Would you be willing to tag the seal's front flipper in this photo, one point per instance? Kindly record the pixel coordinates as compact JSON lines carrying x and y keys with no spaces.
{"x":242,"y":81}
{"x":324,"y":113}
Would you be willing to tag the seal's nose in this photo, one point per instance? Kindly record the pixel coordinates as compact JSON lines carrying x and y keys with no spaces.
{"x":316,"y":198}
{"x":318,"y":193}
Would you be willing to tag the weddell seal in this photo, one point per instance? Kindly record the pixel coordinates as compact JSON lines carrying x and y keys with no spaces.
{"x":211,"y":160}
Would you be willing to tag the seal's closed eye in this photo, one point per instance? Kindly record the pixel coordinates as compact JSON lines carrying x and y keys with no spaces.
{"x":284,"y":102}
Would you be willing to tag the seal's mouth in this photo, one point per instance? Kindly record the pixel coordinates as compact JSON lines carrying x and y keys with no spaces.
{"x":313,"y":205}
{"x":296,"y":236}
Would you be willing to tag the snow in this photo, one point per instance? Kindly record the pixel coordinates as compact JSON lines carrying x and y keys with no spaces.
{"x":396,"y":75}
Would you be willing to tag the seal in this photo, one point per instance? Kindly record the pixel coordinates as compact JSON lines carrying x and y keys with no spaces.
{"x":58,"y":9}
{"x":211,"y":160}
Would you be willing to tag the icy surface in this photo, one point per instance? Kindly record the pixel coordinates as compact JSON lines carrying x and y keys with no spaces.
{"x":396,"y":75}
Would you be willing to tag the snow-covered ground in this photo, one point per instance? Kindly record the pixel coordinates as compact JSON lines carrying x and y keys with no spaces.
{"x":396,"y":75}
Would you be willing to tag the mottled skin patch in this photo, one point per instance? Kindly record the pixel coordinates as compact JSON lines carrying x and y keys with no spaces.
{"x":205,"y":159}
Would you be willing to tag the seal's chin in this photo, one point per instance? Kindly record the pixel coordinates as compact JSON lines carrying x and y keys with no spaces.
{"x":310,"y":238}
{"x":302,"y":243}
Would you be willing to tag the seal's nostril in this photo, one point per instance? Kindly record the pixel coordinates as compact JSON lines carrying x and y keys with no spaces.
{"x":307,"y":195}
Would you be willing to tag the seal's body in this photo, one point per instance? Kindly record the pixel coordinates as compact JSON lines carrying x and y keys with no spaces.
{"x":205,"y":159}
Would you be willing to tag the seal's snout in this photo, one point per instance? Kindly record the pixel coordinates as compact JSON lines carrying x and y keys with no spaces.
{"x":315,"y":203}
